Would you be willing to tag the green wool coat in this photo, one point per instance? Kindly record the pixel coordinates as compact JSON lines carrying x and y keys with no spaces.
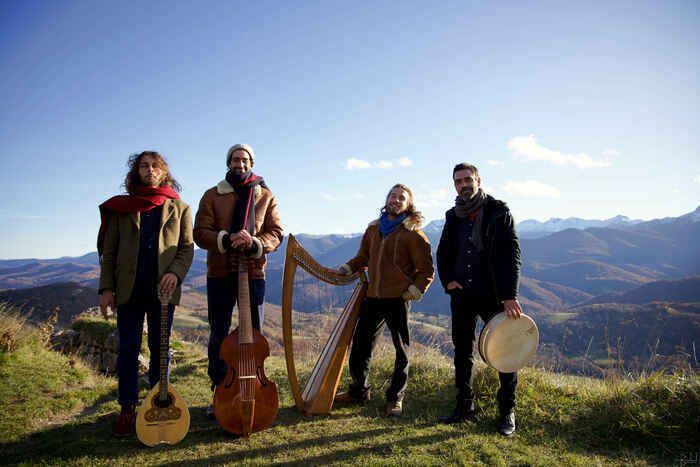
{"x":121,"y":249}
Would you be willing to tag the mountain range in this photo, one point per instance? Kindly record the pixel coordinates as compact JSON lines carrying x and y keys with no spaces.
{"x":628,"y":291}
{"x":561,"y":269}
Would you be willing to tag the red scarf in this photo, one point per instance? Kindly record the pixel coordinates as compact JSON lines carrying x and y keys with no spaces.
{"x":144,"y":198}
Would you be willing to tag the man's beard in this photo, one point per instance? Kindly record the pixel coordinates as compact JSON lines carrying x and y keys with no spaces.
{"x":150,"y":181}
{"x":392,"y":210}
{"x":468,"y":193}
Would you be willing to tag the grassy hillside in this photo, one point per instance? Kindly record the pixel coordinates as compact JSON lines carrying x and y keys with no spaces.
{"x":58,"y":412}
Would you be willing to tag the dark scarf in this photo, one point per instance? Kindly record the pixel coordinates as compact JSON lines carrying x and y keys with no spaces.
{"x":244,"y":211}
{"x":474,"y":210}
{"x":386,"y":225}
{"x":144,"y":198}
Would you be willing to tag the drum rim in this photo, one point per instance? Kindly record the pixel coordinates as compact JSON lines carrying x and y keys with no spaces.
{"x":492,"y":323}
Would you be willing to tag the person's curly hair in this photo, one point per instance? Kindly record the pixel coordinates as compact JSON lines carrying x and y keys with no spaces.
{"x":411,"y":209}
{"x":133,"y":178}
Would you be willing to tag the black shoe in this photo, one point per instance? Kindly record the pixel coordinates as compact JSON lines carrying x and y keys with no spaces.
{"x":506,"y":423}
{"x":462,"y":413}
{"x":348,"y":398}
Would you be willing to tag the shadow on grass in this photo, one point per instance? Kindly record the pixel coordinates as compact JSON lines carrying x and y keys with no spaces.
{"x":606,"y":426}
{"x":322,"y":442}
{"x":67,"y":442}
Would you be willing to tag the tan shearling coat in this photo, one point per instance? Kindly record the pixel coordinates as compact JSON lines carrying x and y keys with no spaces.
{"x":213,"y":220}
{"x":121,"y":249}
{"x":400,"y":262}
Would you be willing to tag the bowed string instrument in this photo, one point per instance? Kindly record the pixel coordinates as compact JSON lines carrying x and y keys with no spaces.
{"x":245,"y":401}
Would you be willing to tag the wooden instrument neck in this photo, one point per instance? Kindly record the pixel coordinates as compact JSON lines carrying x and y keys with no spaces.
{"x":245,"y":324}
{"x":164,"y":348}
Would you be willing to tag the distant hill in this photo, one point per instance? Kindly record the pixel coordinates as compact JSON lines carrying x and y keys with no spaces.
{"x":647,"y":327}
{"x":560,"y":270}
{"x":37,"y":303}
{"x":682,"y":290}
{"x":638,"y":336}
{"x":534,"y":229}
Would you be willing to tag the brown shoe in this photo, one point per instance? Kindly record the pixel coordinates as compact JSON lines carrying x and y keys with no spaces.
{"x":394,"y":408}
{"x":126,"y":422}
{"x":348,"y":398}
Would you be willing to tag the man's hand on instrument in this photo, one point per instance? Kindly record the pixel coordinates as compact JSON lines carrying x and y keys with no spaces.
{"x":241,"y":240}
{"x":168,"y":284}
{"x":512,"y":308}
{"x":106,"y":302}
{"x":452,"y":285}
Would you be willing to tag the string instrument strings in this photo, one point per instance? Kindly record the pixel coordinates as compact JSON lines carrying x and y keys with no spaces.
{"x":163,"y":417}
{"x":317,"y":396}
{"x":245,"y":401}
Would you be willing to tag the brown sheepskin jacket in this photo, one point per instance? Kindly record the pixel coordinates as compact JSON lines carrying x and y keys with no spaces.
{"x":213,"y":220}
{"x":400,"y":262}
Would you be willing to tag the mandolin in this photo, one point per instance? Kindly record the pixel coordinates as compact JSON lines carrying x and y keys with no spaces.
{"x":245,"y":401}
{"x":163,"y":417}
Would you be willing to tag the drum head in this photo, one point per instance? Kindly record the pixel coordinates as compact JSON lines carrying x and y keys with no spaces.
{"x":508,"y":344}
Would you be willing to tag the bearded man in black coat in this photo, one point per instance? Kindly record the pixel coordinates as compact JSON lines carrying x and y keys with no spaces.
{"x":478,"y":261}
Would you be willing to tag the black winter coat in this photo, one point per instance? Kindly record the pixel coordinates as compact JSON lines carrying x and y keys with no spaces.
{"x":500,"y":243}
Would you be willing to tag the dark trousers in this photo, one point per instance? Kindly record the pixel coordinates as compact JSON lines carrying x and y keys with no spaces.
{"x":373,"y":314}
{"x":465,"y":311}
{"x":130,"y":317}
{"x":222,"y":293}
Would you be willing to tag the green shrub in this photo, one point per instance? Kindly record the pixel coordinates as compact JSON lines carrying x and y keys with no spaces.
{"x":98,"y":328}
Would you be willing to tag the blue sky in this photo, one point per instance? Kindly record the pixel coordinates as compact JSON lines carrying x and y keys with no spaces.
{"x":583,"y":109}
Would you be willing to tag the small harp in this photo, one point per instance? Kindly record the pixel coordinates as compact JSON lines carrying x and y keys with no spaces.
{"x":317,"y":396}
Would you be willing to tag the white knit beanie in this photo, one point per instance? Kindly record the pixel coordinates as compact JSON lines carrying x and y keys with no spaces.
{"x":235,"y":147}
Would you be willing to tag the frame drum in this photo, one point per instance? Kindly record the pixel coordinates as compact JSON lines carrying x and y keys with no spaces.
{"x":508,"y":344}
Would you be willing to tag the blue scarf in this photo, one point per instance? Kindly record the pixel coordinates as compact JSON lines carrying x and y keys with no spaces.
{"x":386,"y":225}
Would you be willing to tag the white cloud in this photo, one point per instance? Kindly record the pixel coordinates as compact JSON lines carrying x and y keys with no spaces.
{"x":531,"y":189}
{"x":356,"y":164}
{"x":696,"y":179}
{"x":426,"y":199}
{"x":494,"y":162}
{"x":359,"y":164}
{"x":611,"y":152}
{"x":527,"y":148}
{"x":342,"y":198}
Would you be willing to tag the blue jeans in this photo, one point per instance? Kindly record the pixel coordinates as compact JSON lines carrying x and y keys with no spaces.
{"x":130,"y":317}
{"x":222,"y":293}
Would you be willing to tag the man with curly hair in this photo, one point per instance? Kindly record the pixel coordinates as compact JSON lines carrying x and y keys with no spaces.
{"x":146,"y":248}
{"x":396,"y":253}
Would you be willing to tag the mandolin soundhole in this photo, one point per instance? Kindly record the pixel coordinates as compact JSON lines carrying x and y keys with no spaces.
{"x":162,"y":411}
{"x":157,"y":414}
